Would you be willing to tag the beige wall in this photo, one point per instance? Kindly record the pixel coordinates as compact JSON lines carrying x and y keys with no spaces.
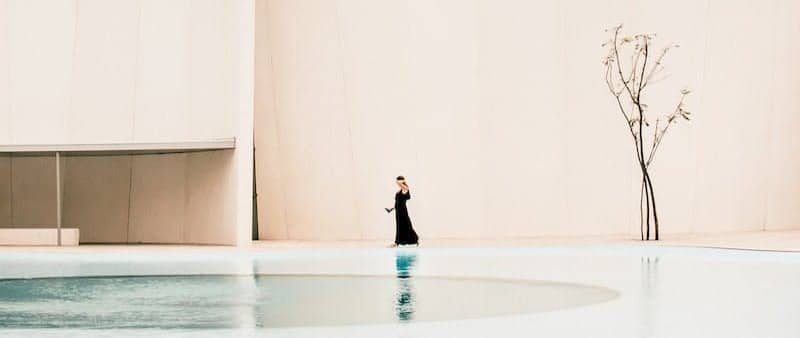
{"x":169,"y":198}
{"x":100,"y":71}
{"x":497,"y":113}
{"x":95,"y":199}
{"x":33,"y":202}
{"x":5,"y":190}
{"x":118,"y":70}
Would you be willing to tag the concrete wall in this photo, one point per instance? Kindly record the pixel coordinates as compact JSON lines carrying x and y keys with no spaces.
{"x":497,"y":113}
{"x":170,"y":198}
{"x":5,"y":190}
{"x":120,"y":70}
{"x":98,"y":71}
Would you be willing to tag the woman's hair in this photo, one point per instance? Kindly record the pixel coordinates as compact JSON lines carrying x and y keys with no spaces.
{"x":400,"y":178}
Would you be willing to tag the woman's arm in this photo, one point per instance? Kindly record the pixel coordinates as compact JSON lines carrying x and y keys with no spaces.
{"x":404,"y":188}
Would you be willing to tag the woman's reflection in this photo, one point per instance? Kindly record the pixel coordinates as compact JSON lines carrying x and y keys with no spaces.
{"x":404,"y":306}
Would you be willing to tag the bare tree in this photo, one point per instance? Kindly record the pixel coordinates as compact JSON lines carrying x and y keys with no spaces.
{"x":627,"y":82}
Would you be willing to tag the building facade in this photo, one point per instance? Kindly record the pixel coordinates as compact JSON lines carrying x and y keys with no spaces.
{"x":495,"y":111}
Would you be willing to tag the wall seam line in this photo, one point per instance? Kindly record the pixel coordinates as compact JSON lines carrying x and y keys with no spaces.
{"x":189,"y":20}
{"x":11,"y":186}
{"x":189,"y":128}
{"x":71,"y":98}
{"x":134,"y":97}
{"x":276,"y":119}
{"x":8,"y":77}
{"x":356,"y":201}
{"x":707,"y":21}
{"x":770,"y":117}
{"x":130,"y":188}
{"x":186,"y":165}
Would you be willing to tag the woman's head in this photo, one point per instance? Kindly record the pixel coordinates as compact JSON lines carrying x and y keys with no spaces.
{"x":401,"y":181}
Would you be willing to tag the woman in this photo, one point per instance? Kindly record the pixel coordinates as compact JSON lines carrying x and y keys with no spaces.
{"x":404,"y":233}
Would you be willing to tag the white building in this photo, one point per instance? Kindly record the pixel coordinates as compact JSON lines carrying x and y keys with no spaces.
{"x":495,"y":111}
{"x":132,"y":73}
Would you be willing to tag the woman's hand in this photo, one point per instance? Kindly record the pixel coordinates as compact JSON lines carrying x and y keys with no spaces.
{"x":401,"y":182}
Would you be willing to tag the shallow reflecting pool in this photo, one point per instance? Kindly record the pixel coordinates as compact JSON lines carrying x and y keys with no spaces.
{"x":600,"y":292}
{"x":181,"y":302}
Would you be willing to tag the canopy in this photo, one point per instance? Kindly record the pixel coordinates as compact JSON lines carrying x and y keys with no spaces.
{"x":97,"y":149}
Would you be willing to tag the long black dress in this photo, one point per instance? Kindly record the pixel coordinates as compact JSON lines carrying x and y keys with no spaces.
{"x":405,"y":232}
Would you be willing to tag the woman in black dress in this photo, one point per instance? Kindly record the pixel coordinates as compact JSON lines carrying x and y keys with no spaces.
{"x":404,"y":233}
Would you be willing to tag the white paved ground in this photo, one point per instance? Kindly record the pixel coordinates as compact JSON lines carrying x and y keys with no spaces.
{"x":665,"y":290}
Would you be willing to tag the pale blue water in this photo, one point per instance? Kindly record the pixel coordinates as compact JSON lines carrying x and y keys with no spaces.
{"x":246,"y":294}
{"x":208,"y":302}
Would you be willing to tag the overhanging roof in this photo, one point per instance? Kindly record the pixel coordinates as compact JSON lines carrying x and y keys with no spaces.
{"x":131,"y":148}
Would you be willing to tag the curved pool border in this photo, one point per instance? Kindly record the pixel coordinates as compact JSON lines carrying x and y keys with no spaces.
{"x":616,"y":267}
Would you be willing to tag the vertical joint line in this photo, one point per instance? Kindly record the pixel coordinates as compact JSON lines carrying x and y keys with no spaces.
{"x":11,"y":186}
{"x":58,"y":196}
{"x":136,"y":69}
{"x":130,"y":188}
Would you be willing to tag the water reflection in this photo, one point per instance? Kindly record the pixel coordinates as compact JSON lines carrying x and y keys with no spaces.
{"x":404,"y":304}
{"x":649,"y":301}
{"x":191,"y":302}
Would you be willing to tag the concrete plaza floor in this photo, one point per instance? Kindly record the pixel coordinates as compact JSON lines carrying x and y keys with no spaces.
{"x":677,"y":287}
{"x":784,"y":240}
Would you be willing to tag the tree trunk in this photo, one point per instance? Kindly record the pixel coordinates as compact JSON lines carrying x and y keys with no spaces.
{"x":647,"y":208}
{"x":645,"y":178}
{"x":653,"y":199}
{"x":641,"y":210}
{"x":647,"y":195}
